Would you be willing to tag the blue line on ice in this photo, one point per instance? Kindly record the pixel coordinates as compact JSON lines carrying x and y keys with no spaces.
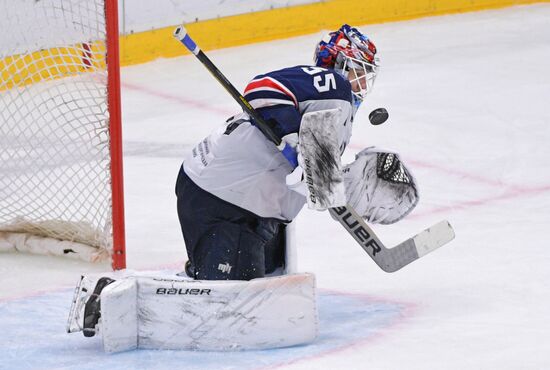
{"x":33,"y":337}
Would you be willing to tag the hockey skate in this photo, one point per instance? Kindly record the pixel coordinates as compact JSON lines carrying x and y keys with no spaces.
{"x":92,"y":309}
{"x":190,"y":269}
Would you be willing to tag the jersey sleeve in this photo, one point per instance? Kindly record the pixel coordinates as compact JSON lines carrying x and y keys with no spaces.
{"x":276,"y":104}
{"x":282,"y":97}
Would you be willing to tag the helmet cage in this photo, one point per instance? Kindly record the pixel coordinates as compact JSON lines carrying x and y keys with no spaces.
{"x":360,"y":73}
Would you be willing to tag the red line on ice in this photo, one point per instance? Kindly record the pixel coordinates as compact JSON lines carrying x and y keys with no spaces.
{"x":196,"y":104}
{"x":451,"y":171}
{"x":481,"y":202}
{"x":512,"y":190}
{"x":462,"y":174}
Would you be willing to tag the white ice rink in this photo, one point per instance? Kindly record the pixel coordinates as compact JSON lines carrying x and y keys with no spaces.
{"x":469,"y":103}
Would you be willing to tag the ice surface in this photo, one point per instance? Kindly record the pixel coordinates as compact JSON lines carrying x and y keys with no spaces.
{"x":468,"y":101}
{"x":346,"y":321}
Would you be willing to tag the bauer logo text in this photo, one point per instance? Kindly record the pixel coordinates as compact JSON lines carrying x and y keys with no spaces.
{"x":183,"y":291}
{"x":357,"y":230}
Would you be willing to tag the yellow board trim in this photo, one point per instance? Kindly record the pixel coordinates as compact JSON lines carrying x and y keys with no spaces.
{"x":242,"y":29}
{"x":49,"y":64}
{"x":292,"y":21}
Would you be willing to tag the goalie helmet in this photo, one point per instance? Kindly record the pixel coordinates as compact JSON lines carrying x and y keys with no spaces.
{"x":348,"y":51}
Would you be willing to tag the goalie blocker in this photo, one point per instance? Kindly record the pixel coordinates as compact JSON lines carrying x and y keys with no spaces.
{"x":161,"y":311}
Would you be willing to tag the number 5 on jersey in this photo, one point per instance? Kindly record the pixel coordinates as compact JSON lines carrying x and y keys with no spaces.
{"x":322,"y":83}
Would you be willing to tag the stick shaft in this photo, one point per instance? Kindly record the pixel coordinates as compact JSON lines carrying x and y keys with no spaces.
{"x":182,"y":35}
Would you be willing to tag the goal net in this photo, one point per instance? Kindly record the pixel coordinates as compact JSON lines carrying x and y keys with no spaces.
{"x":60,"y":153}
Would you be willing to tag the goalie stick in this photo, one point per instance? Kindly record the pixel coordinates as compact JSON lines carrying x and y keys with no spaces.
{"x":392,"y":259}
{"x":388,"y":259}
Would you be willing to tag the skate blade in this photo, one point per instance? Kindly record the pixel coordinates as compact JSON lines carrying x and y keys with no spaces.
{"x":82,"y":292}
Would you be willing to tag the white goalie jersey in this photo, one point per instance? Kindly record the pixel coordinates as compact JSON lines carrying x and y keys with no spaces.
{"x":239,"y":165}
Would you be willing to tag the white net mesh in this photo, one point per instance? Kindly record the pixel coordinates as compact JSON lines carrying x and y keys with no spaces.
{"x":54,"y":134}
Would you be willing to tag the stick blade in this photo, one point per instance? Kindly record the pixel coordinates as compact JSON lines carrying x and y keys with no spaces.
{"x":436,"y":236}
{"x":433,"y":237}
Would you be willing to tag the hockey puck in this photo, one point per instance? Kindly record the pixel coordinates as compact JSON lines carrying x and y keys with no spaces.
{"x":378,"y":116}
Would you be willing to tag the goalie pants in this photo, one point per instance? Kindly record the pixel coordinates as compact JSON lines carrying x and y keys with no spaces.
{"x":223,"y":241}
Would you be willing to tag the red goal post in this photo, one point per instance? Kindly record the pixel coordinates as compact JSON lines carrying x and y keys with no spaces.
{"x":61,"y":183}
{"x":115,"y":129}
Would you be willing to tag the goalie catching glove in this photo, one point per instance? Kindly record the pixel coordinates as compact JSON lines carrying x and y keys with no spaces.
{"x":379,"y":186}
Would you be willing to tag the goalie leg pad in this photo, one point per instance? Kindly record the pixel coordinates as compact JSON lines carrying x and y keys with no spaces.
{"x":119,"y":316}
{"x":165,"y":313}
